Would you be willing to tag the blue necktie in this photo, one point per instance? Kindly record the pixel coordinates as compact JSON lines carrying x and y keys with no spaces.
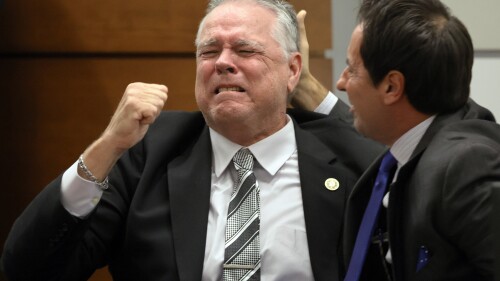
{"x":370,"y":216}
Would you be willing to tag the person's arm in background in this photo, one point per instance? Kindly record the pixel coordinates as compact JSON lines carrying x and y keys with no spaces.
{"x":310,"y":94}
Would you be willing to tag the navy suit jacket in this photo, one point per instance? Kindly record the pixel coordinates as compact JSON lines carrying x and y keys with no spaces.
{"x":152,"y":223}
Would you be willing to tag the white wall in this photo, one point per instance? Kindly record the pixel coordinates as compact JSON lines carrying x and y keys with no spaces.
{"x":482,"y":21}
{"x":485,"y":86}
{"x":344,"y":20}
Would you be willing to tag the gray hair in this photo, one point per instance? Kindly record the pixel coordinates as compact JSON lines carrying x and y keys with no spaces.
{"x":286,"y":31}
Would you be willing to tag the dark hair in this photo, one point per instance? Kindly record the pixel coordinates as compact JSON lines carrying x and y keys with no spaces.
{"x":422,"y":40}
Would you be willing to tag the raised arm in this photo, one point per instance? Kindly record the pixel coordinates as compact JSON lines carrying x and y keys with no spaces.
{"x":139,"y":107}
{"x":309,"y":93}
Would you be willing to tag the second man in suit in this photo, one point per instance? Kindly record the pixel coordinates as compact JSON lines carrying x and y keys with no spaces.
{"x":409,"y":67}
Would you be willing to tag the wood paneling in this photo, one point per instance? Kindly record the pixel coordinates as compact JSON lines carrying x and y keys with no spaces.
{"x":125,"y":26}
{"x":318,"y":24}
{"x":99,"y":26}
{"x":52,"y":109}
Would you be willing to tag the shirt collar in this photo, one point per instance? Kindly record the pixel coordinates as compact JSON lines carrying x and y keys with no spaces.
{"x":271,"y":153}
{"x":403,"y":148}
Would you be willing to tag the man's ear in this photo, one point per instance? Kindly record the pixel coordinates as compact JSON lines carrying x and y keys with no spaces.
{"x":295,"y":66}
{"x":393,"y":87}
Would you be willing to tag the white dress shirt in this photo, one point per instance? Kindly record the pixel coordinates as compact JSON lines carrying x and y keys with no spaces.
{"x":327,"y":104}
{"x":402,"y":150}
{"x":283,"y":240}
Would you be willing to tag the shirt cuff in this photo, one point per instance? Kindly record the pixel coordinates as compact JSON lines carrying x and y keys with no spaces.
{"x":78,"y":196}
{"x":326,"y":106}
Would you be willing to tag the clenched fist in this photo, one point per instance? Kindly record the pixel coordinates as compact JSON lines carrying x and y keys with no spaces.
{"x":139,"y":107}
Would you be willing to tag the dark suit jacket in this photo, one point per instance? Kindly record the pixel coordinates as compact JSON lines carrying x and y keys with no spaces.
{"x":151,"y":224}
{"x":440,"y":201}
{"x":495,"y":223}
{"x":341,"y":111}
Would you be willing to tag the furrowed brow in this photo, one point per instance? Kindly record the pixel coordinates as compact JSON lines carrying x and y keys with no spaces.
{"x":207,"y":43}
{"x":246,"y":43}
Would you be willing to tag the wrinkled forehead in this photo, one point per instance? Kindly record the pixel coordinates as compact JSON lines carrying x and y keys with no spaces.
{"x":246,"y":17}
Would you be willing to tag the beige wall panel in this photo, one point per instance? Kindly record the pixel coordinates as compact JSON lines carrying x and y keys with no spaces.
{"x":318,"y":24}
{"x":322,"y":70}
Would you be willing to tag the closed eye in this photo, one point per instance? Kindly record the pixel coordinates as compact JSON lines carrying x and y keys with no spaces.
{"x":246,"y":52}
{"x":208,"y":53}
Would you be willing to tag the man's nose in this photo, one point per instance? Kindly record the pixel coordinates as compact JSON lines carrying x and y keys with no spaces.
{"x":225,"y":63}
{"x":341,"y":82}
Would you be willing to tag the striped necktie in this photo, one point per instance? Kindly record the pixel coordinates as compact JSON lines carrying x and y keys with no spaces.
{"x":242,"y":245}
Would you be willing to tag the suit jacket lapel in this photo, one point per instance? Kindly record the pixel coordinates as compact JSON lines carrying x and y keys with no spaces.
{"x":441,"y":121}
{"x":396,"y":211}
{"x":356,"y":204}
{"x":360,"y":195}
{"x":362,"y":190}
{"x":323,"y":209}
{"x":189,"y":179}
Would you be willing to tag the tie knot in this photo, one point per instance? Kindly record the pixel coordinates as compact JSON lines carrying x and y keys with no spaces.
{"x":243,"y":159}
{"x":388,"y":162}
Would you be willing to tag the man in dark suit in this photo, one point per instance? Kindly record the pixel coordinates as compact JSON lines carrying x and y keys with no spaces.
{"x":150,"y":196}
{"x":407,"y":77}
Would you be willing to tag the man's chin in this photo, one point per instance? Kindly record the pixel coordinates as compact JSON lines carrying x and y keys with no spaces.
{"x":229,"y":114}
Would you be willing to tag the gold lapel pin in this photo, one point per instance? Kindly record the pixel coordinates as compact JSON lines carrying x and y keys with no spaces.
{"x":332,"y":184}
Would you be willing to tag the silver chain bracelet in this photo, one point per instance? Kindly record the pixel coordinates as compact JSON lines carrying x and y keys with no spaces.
{"x":101,"y":184}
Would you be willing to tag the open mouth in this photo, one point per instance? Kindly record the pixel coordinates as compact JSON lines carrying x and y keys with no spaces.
{"x":229,"y":89}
